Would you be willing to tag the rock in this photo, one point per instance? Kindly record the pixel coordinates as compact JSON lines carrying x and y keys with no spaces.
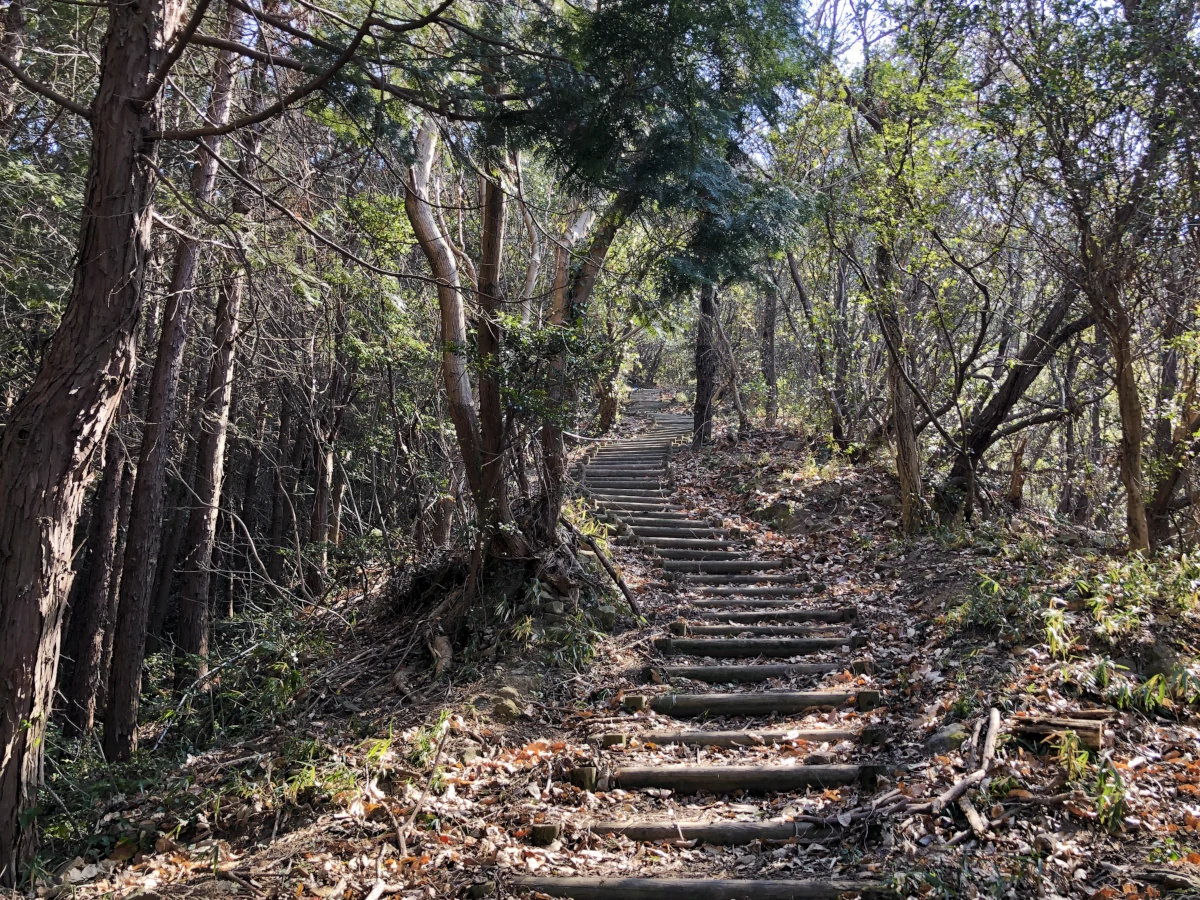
{"x":1045,"y":844}
{"x":481,"y":889}
{"x":818,"y":759}
{"x":791,"y":445}
{"x":470,"y":754}
{"x":891,"y":501}
{"x":553,"y":608}
{"x":1161,"y":659}
{"x":945,"y":739}
{"x":779,"y":515}
{"x":606,"y":617}
{"x":509,"y":692}
{"x":505,"y":710}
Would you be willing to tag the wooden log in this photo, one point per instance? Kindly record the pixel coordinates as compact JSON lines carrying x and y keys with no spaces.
{"x":746,"y":579}
{"x":1089,"y":731}
{"x":733,"y":648}
{"x":720,"y":566}
{"x":544,"y":834}
{"x":731,"y":739}
{"x":749,"y":674}
{"x":722,"y":834}
{"x":612,"y":571}
{"x":760,"y":704}
{"x":690,"y":779}
{"x":719,"y":591}
{"x":714,"y":610}
{"x":685,"y":628}
{"x":580,"y":888}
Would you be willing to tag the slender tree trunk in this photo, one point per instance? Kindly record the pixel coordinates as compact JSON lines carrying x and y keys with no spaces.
{"x":489,"y":341}
{"x":706,"y":367}
{"x":1068,"y":496}
{"x":12,"y":45}
{"x":734,"y":379}
{"x":438,"y":252}
{"x":317,"y":556}
{"x":280,"y":507}
{"x":55,"y":430}
{"x":120,"y":732}
{"x":191,"y":648}
{"x":337,"y":499}
{"x":89,"y":619}
{"x":114,"y":586}
{"x":767,"y":354}
{"x":1129,"y":402}
{"x":249,"y":509}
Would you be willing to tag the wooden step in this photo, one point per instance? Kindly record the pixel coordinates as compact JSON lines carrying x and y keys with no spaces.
{"x":591,"y":888}
{"x":765,"y":703}
{"x":748,"y":580}
{"x":731,"y":739}
{"x":687,"y":543}
{"x":659,"y":531}
{"x":845,"y":614}
{"x":748,"y":674}
{"x":692,"y":779}
{"x":742,"y":565}
{"x":683,"y":629}
{"x":740,"y":648}
{"x":698,"y":555}
{"x":720,"y":834}
{"x":756,"y":592}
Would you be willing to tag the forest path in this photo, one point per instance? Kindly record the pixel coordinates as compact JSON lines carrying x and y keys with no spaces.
{"x":747,"y":623}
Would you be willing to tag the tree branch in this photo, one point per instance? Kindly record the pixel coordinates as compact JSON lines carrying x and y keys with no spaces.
{"x":49,"y":93}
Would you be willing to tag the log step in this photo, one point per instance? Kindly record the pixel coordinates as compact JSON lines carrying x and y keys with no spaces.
{"x":757,"y":592}
{"x":753,"y":604}
{"x":658,"y":531}
{"x":683,"y":629}
{"x":582,"y":888}
{"x":690,"y":779}
{"x":749,"y":674}
{"x":845,"y":614}
{"x":688,"y":543}
{"x":720,"y":834}
{"x":698,"y":555}
{"x":794,"y":578}
{"x":733,"y":648}
{"x":686,"y":706}
{"x":731,"y":739}
{"x":743,"y":565}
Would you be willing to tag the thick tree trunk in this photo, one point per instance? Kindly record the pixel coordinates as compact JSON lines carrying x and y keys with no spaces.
{"x":89,"y":619}
{"x":55,"y":430}
{"x":767,"y":356}
{"x":120,"y":732}
{"x":706,"y":367}
{"x":191,"y":647}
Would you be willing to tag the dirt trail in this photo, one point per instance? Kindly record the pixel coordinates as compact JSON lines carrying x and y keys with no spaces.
{"x":747,"y":622}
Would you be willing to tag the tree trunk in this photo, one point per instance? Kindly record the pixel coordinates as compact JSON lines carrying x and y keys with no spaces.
{"x":1016,"y":480}
{"x":767,"y":354}
{"x":337,"y":500}
{"x":114,"y":586}
{"x":317,"y":555}
{"x":120,"y":732}
{"x":438,"y":252}
{"x":191,"y":647}
{"x":570,"y":295}
{"x":89,"y":619}
{"x":55,"y":430}
{"x":734,"y":379}
{"x":489,"y":342}
{"x":249,"y":509}
{"x":12,"y":45}
{"x":1069,"y":494}
{"x":280,"y":507}
{"x":1130,"y":404}
{"x":706,"y":367}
